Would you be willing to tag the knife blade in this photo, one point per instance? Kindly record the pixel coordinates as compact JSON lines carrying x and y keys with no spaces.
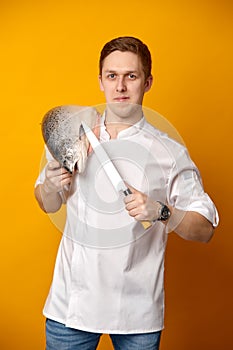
{"x":108,"y":166}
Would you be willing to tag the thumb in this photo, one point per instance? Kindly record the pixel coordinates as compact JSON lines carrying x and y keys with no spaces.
{"x":132,"y":189}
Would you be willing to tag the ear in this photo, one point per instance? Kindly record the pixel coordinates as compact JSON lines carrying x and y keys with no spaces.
{"x":100,"y":82}
{"x":148,"y":83}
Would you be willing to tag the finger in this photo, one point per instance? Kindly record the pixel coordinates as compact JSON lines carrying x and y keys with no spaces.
{"x":67,"y":175}
{"x":54,"y":164}
{"x":57,"y":172}
{"x":140,"y":217}
{"x":59,"y":182}
{"x":137,"y":199}
{"x":131,"y":205}
{"x":65,"y":182}
{"x":135,"y":213}
{"x":129,"y":198}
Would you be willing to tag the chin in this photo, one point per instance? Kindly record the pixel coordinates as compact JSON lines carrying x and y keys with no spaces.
{"x":124,"y":110}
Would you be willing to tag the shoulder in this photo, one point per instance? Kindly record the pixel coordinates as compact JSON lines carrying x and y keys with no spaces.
{"x":165,"y":147}
{"x":174,"y":144}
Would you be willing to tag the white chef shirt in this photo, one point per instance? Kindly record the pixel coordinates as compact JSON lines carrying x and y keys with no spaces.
{"x":109,"y":271}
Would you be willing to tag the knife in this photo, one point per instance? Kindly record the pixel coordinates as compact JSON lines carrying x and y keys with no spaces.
{"x":108,"y":166}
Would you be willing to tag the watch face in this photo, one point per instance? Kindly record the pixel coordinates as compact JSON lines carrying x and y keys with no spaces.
{"x":165,"y":213}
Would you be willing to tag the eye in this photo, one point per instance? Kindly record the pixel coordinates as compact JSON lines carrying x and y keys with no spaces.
{"x":111,"y":75}
{"x":132,"y":76}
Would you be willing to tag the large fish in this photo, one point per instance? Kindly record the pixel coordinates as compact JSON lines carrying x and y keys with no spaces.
{"x":62,"y":133}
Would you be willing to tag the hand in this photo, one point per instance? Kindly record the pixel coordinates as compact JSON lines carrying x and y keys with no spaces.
{"x":140,"y":206}
{"x":56,"y":178}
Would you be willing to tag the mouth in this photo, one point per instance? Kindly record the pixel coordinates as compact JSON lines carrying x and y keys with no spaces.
{"x":121,"y":99}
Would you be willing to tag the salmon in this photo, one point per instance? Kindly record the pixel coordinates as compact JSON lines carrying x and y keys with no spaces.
{"x":64,"y":137}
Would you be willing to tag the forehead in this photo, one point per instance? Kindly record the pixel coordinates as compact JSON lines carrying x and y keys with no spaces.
{"x":122,"y":61}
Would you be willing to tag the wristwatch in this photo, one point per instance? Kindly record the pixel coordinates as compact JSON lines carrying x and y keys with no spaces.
{"x":164,"y":212}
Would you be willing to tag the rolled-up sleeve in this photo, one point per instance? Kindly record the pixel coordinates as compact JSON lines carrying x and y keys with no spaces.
{"x":186,"y":191}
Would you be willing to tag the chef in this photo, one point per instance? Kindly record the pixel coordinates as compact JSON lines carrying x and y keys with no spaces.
{"x":109,"y":271}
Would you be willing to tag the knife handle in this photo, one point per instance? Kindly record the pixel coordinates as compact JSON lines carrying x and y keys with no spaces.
{"x":145,"y":224}
{"x":127,"y":191}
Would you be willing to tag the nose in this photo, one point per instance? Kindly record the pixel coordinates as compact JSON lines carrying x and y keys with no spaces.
{"x":121,"y":86}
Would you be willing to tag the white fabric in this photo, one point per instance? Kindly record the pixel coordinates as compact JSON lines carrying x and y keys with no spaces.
{"x":109,"y":272}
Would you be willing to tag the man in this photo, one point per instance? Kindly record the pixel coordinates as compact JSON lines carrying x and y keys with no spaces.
{"x":114,"y":284}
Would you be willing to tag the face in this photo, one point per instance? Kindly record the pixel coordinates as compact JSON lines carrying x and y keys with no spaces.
{"x":123,"y":83}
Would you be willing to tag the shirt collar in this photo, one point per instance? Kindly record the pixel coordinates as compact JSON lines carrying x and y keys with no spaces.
{"x":130,"y":131}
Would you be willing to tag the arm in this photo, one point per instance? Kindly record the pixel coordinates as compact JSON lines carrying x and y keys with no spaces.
{"x":47,"y":194}
{"x":188,"y":225}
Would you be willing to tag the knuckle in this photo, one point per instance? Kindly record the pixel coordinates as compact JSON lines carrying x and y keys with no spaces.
{"x":143,"y":207}
{"x":141,"y":201}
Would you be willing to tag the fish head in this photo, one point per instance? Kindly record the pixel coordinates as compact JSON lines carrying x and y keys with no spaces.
{"x":62,"y":133}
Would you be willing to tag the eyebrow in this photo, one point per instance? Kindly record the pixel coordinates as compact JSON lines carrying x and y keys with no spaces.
{"x":115,"y":71}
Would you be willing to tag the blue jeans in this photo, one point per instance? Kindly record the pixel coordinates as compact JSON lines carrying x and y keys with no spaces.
{"x":59,"y":337}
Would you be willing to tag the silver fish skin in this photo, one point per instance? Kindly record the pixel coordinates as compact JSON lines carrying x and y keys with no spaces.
{"x":62,"y":133}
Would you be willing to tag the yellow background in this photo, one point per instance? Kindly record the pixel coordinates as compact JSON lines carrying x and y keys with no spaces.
{"x":49,"y":56}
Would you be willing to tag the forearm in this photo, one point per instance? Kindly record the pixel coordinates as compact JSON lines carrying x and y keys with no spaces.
{"x":49,"y":202}
{"x":56,"y":182}
{"x":190,"y":225}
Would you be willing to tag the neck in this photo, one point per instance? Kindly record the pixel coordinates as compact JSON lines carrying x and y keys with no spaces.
{"x":113,"y":128}
{"x":115,"y":124}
